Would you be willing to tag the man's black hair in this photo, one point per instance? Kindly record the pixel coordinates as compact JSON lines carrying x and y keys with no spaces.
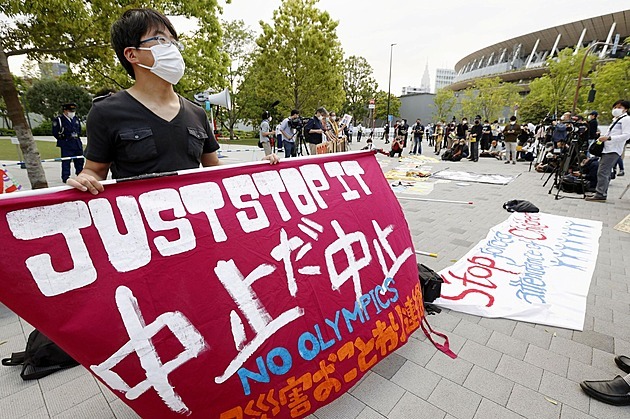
{"x":265,"y":115}
{"x":295,"y":112}
{"x":624,"y":103}
{"x":512,"y":118}
{"x":131,"y":27}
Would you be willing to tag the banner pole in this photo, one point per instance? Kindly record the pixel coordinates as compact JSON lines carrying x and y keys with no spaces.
{"x":433,"y":255}
{"x":435,"y":200}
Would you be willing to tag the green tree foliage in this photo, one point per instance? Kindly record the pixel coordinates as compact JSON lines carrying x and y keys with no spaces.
{"x":359,"y":85}
{"x":299,"y":62}
{"x":556,"y":89}
{"x":238,"y":44}
{"x":469,"y":103}
{"x":533,"y":110}
{"x":444,"y":103}
{"x":612,"y":82}
{"x":381,"y":105}
{"x":45,"y":97}
{"x":77,"y":33}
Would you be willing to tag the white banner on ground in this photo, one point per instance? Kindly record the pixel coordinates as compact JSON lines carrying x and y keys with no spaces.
{"x":532,"y":267}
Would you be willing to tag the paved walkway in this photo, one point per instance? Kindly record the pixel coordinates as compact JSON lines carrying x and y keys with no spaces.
{"x":506,"y":369}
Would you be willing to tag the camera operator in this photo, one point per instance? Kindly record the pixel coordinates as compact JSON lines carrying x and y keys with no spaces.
{"x":314,"y":130}
{"x":288,"y":129}
{"x":593,"y":128}
{"x":561,"y":128}
{"x":554,"y":154}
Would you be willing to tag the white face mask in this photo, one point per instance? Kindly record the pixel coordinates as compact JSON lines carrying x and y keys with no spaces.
{"x":512,"y":122}
{"x":169,"y":64}
{"x":71,"y":115}
{"x":617,"y":112}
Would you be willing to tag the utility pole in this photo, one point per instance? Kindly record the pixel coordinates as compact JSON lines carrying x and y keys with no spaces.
{"x":389,"y":88}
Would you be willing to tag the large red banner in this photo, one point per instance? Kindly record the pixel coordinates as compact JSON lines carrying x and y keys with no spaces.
{"x":232,"y":292}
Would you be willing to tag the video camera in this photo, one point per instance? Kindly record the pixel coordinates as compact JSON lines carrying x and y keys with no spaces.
{"x":298,"y":123}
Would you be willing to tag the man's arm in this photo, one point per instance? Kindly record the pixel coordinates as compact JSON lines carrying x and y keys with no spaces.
{"x":89,"y":179}
{"x":210,"y":159}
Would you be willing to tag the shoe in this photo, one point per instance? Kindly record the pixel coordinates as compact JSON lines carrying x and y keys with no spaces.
{"x":513,"y":162}
{"x":615,"y":391}
{"x":507,"y":162}
{"x":623,"y":362}
{"x":596,"y":198}
{"x":621,"y":173}
{"x":281,"y":150}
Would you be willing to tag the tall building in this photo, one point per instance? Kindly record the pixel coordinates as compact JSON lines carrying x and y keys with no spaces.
{"x":425,"y":86}
{"x":444,"y":77}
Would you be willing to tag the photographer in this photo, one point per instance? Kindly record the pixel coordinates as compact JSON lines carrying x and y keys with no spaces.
{"x":288,"y":129}
{"x":593,"y":127}
{"x":561,"y":128}
{"x":314,"y":130}
{"x":614,"y":143}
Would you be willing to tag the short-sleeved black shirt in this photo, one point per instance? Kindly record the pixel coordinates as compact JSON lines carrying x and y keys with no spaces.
{"x":122,"y":131}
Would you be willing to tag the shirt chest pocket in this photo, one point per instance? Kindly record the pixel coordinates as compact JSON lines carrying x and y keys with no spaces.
{"x":197,"y":137}
{"x":137,"y":145}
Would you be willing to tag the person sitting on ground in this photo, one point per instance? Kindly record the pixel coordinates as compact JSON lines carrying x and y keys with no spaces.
{"x":459,"y":151}
{"x":397,"y":147}
{"x":369,"y":146}
{"x":528,"y":151}
{"x":553,"y":157}
{"x":495,"y":150}
{"x":588,"y":170}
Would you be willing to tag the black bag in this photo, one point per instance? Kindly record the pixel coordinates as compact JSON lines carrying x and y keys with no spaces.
{"x":42,"y":357}
{"x":596,"y":149}
{"x":572,"y":184}
{"x":516,"y":205}
{"x":430,"y":283}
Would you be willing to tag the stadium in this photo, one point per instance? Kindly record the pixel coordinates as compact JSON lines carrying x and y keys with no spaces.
{"x":521,"y":59}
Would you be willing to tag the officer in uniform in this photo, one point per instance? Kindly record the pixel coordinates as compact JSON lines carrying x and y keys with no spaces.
{"x":67,"y":130}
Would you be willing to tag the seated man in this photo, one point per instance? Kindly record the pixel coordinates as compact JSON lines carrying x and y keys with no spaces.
{"x":528,"y":152}
{"x":494,"y":150}
{"x":588,"y":170}
{"x":369,"y":145}
{"x":397,"y":147}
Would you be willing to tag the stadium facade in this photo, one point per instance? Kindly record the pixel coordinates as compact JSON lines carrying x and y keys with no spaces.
{"x":523,"y":58}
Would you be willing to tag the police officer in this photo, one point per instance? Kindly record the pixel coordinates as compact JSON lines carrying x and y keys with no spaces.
{"x":67,"y":130}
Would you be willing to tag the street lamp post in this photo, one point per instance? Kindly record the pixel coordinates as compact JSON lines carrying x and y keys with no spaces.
{"x":389,"y":88}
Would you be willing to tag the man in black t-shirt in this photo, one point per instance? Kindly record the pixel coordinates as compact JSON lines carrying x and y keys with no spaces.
{"x":147,"y":128}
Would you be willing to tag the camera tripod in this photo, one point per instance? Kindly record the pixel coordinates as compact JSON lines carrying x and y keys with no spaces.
{"x":301,"y":146}
{"x":561,"y":169}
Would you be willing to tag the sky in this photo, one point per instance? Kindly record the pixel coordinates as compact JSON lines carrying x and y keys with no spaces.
{"x":423,"y":34}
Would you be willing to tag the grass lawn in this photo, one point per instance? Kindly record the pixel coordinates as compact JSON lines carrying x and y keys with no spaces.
{"x":8,"y":151}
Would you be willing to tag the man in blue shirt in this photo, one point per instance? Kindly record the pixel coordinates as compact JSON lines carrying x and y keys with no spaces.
{"x":66,"y":128}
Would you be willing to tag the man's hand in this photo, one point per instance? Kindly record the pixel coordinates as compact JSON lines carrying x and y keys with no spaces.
{"x":85,"y":182}
{"x":273,"y":159}
{"x":602,"y":139}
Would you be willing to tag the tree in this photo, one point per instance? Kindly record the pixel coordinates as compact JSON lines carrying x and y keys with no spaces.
{"x":298,"y":63}
{"x":381,"y":105}
{"x":612,"y":81}
{"x":469,"y":104}
{"x":556,"y":89}
{"x":238,"y":44}
{"x":494,"y":97}
{"x":444,"y":103}
{"x":45,"y":97}
{"x":359,"y":86}
{"x":77,"y":33}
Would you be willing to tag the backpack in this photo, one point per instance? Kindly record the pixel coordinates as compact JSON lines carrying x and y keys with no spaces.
{"x":42,"y":357}
{"x":430,"y":283}
{"x":516,"y":205}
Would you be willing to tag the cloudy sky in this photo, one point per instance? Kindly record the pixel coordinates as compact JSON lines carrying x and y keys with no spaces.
{"x":439,"y":34}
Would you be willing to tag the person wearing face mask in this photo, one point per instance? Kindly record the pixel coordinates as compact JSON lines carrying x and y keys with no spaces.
{"x":614,"y":143}
{"x":511,"y":133}
{"x":147,"y":128}
{"x":66,"y":128}
{"x":315,"y":129}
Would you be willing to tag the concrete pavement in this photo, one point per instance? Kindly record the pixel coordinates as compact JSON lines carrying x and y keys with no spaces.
{"x":505,"y":368}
